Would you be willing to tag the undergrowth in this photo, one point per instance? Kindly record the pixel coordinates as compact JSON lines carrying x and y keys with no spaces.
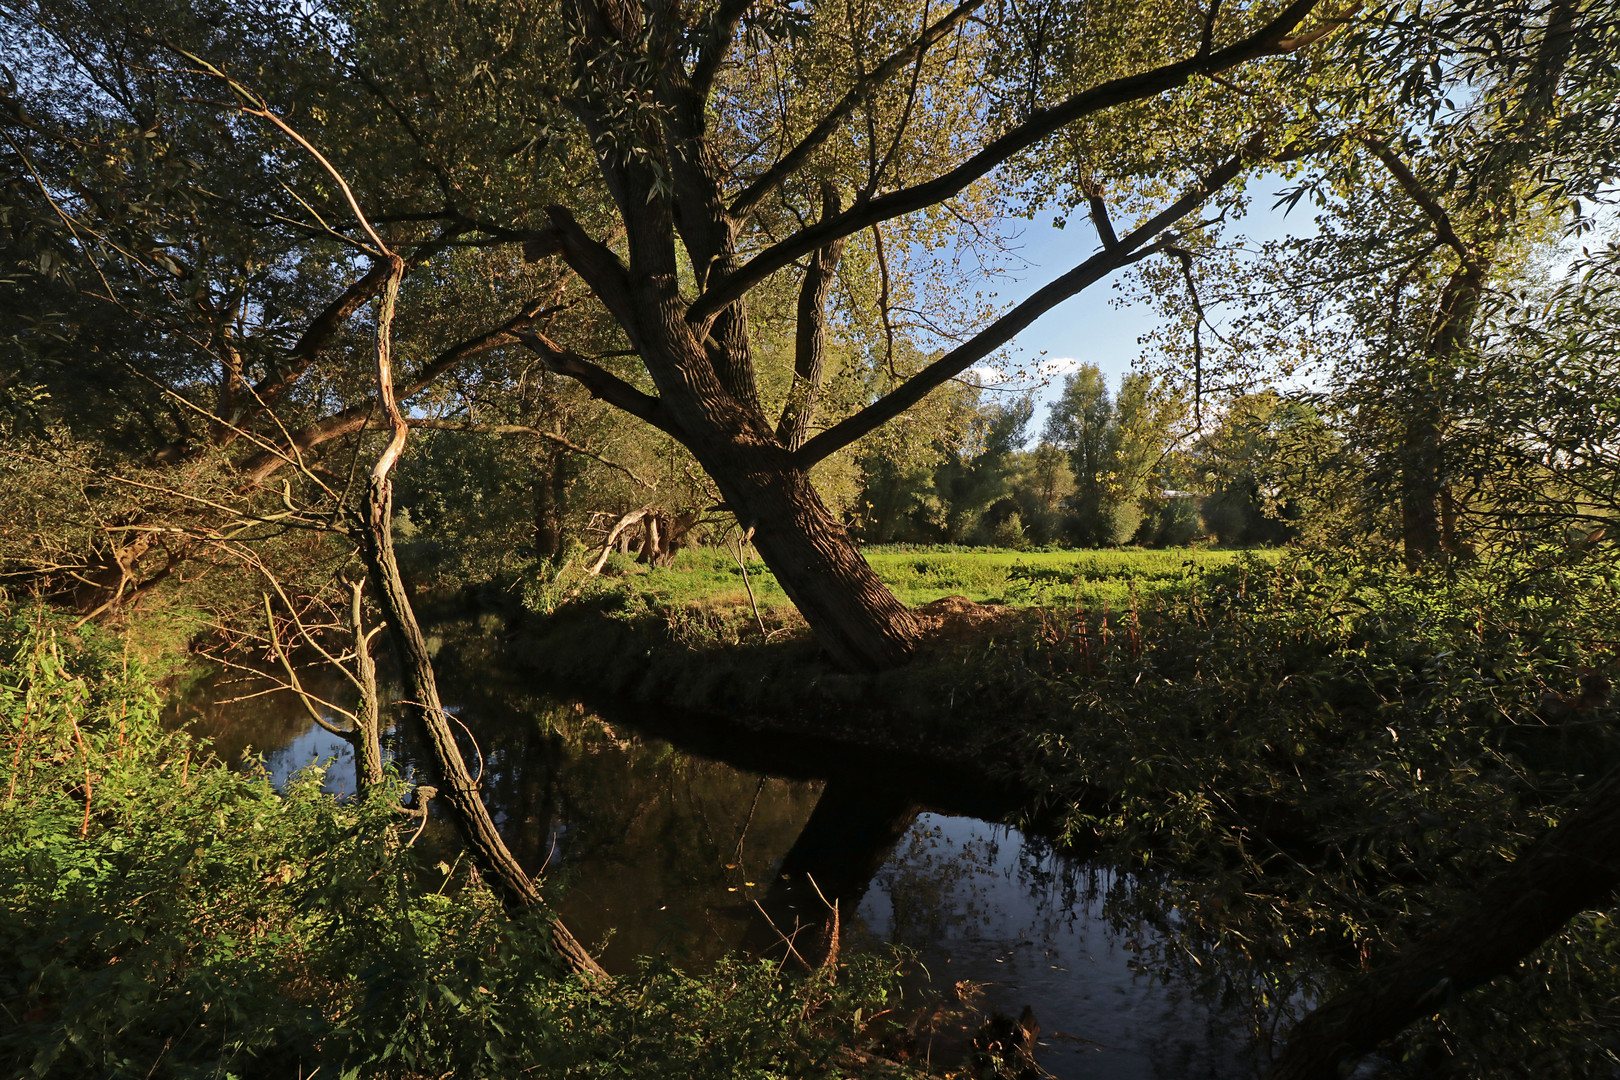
{"x":1308,"y":763}
{"x":164,"y":916}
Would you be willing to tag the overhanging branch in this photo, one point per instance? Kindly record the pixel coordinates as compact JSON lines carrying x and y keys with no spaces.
{"x":1128,"y":250}
{"x":1268,"y":40}
{"x":600,"y":383}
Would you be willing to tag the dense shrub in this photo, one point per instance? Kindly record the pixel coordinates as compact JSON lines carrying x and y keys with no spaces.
{"x":1309,"y":763}
{"x":163,"y":916}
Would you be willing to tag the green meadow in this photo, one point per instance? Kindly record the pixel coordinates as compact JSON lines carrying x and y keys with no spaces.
{"x":920,"y":574}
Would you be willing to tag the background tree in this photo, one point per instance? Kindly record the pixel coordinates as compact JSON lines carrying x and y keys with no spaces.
{"x":1473,"y":141}
{"x":1041,"y":484}
{"x":1248,"y":469}
{"x":1115,"y":446}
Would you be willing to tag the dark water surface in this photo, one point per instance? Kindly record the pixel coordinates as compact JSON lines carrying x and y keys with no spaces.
{"x":681,"y":837}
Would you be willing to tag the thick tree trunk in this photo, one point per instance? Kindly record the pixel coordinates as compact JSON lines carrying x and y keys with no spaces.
{"x":856,"y":618}
{"x":1572,"y":868}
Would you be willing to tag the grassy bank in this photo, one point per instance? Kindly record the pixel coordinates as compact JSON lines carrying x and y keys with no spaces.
{"x":1305,"y":762}
{"x":715,"y":578}
{"x":164,"y":916}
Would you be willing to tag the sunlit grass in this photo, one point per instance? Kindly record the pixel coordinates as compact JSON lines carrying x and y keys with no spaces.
{"x":917,"y":575}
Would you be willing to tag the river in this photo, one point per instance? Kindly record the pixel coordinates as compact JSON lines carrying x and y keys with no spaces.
{"x":689,"y":838}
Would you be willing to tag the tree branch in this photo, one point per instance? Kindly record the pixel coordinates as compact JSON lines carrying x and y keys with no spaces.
{"x":601,"y":383}
{"x":1100,"y":219}
{"x":1419,"y":194}
{"x":810,"y":339}
{"x":998,"y":333}
{"x":602,"y":271}
{"x":727,"y":17}
{"x":1040,"y":125}
{"x":794,"y":159}
{"x":269,"y":460}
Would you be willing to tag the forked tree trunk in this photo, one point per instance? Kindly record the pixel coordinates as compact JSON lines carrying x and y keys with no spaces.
{"x":855,"y":617}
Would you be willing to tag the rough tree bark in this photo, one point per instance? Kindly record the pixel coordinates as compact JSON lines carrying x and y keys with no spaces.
{"x":367,"y":740}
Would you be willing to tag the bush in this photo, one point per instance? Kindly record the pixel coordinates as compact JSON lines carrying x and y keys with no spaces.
{"x":163,"y":916}
{"x":1173,"y":522}
{"x":1009,"y":533}
{"x":1119,"y":522}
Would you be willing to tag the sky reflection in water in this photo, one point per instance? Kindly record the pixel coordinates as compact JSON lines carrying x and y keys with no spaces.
{"x":663,"y":851}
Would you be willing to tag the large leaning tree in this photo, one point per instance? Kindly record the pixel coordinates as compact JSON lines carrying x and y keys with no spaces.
{"x":712,"y":197}
{"x":613,"y":185}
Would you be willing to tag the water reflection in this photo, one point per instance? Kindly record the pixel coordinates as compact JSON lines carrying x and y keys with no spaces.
{"x":720,"y":844}
{"x":980,"y":902}
{"x":244,"y":717}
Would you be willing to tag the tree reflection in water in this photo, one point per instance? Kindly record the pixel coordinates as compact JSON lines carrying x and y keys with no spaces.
{"x":659,"y":850}
{"x":983,"y":903}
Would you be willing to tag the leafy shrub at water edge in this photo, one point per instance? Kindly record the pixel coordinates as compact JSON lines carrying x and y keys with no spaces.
{"x":161,"y":915}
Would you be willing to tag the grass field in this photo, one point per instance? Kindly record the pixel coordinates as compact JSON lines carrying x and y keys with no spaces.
{"x":918,"y":575}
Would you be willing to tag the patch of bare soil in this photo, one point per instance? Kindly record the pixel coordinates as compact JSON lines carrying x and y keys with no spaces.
{"x":956,"y":620}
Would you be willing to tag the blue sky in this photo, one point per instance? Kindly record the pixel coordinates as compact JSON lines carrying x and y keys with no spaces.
{"x":1090,"y":328}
